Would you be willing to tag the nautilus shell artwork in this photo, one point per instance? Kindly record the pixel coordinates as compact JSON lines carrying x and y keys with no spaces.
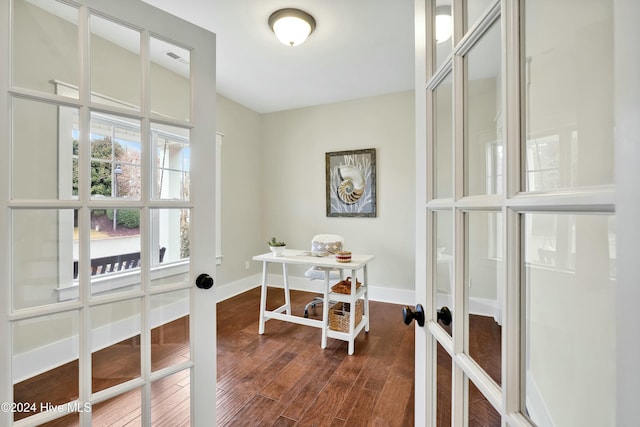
{"x":352,"y":184}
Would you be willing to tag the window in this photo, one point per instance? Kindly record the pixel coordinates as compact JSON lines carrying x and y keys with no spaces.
{"x":552,"y":161}
{"x":495,"y":172}
{"x":115,"y":173}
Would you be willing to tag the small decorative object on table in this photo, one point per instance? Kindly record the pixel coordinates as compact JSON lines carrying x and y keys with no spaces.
{"x":276,"y":246}
{"x":343,"y":256}
{"x":340,"y":313}
{"x":344,"y":286}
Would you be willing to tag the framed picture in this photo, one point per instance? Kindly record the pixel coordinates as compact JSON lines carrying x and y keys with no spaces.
{"x":351,"y":183}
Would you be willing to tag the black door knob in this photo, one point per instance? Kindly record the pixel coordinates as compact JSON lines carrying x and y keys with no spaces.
{"x":444,"y":315}
{"x":204,"y":281}
{"x":408,"y":315}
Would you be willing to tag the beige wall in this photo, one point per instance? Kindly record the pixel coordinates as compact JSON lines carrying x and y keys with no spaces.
{"x":241,"y":188}
{"x":272,"y":171}
{"x":293,"y":181}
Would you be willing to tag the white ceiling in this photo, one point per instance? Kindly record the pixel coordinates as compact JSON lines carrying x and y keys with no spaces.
{"x":360,"y":48}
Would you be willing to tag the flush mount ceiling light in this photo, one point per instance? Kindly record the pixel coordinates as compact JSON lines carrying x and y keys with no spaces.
{"x":444,"y":24}
{"x":291,"y":26}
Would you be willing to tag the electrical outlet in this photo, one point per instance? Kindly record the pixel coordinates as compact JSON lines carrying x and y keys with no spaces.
{"x":246,"y":265}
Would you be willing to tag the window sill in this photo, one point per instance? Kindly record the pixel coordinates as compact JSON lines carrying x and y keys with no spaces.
{"x":106,"y":283}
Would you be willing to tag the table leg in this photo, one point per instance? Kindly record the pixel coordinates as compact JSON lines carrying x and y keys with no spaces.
{"x":263,"y":298}
{"x":352,"y":307}
{"x":366,"y":298}
{"x":325,"y":310}
{"x":287,"y":296}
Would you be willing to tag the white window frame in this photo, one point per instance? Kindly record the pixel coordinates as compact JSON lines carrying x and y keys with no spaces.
{"x":120,"y":280}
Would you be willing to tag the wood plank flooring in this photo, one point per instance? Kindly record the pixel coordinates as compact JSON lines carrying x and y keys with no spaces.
{"x":374,"y":387}
{"x":485,"y":337}
{"x":284,"y":378}
{"x":113,"y":365}
{"x":281,"y":378}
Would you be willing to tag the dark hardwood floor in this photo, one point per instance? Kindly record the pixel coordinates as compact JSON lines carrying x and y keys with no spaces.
{"x":281,"y":378}
{"x":114,"y":365}
{"x":315,"y":387}
{"x":485,"y":340}
{"x":284,"y":378}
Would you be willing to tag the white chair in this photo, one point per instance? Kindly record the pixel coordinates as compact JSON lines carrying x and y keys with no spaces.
{"x":323,"y":243}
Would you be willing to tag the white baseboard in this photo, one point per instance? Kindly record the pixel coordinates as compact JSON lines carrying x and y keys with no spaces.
{"x":232,"y":289}
{"x":485,"y":307}
{"x":376,"y":293}
{"x":55,"y":354}
{"x":392,"y":296}
{"x":536,"y":405}
{"x":478,"y":306}
{"x":58,"y":353}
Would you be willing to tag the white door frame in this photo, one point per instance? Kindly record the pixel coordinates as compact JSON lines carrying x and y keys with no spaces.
{"x":202,"y":43}
{"x":627,"y":138}
{"x":623,"y":197}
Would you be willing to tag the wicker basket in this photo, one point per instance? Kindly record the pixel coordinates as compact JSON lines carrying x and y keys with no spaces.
{"x":340,"y":314}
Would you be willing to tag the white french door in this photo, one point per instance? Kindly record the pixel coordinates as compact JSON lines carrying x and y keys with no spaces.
{"x":519,"y":212}
{"x":107,"y":137}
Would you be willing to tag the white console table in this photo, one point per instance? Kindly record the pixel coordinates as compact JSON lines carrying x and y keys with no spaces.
{"x":358,"y":264}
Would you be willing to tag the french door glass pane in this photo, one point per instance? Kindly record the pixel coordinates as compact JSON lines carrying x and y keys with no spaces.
{"x":483,"y":141}
{"x":116,"y":71}
{"x":171,"y":234}
{"x":474,"y":9}
{"x":115,"y":157}
{"x":126,"y":409}
{"x":170,"y":329}
{"x":115,"y":343}
{"x":170,"y":400}
{"x":569,"y":318}
{"x":481,"y":413}
{"x":45,"y":352}
{"x":443,"y":138}
{"x":443,"y":275}
{"x":45,"y":46}
{"x":115,"y":251}
{"x":443,"y":32}
{"x":42,"y":145}
{"x":443,"y":387}
{"x":170,"y":80}
{"x":484,"y":282}
{"x":172,"y":162}
{"x":568,"y":96}
{"x":67,"y":420}
{"x":42,"y":261}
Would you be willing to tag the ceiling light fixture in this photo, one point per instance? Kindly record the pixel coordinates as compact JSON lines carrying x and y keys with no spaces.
{"x":292,"y":26}
{"x":444,"y":24}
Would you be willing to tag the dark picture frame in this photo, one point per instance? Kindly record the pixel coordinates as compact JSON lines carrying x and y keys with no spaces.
{"x":351,"y":183}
